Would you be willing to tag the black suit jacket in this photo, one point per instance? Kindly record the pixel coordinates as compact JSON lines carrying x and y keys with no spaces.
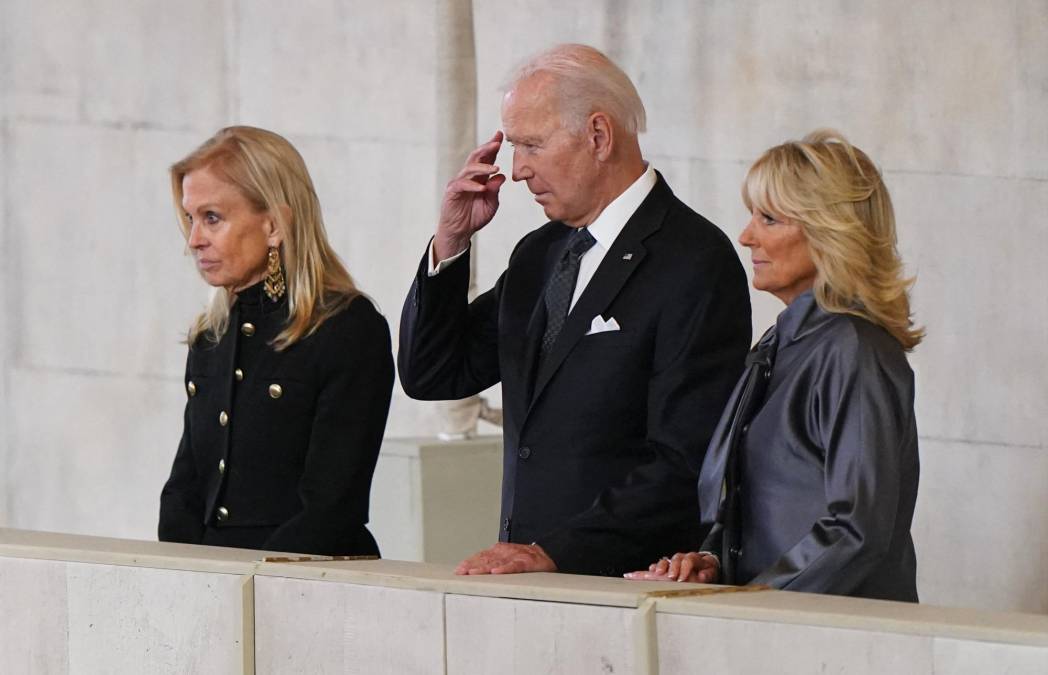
{"x":603,"y":442}
{"x":291,"y":468}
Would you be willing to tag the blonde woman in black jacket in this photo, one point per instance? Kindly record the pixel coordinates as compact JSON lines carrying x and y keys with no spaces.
{"x":290,"y":372}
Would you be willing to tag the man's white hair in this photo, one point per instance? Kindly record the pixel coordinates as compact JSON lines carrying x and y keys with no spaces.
{"x":585,"y":81}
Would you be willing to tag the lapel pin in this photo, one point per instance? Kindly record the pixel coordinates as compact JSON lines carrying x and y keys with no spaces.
{"x":628,"y":256}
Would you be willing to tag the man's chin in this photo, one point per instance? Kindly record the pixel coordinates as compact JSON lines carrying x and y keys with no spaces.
{"x":555,"y":214}
{"x":551,"y":212}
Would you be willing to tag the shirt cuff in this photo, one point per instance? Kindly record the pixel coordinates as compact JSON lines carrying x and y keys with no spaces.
{"x":434,"y":270}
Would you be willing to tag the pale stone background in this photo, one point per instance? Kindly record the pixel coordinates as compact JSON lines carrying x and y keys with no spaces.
{"x":97,"y":98}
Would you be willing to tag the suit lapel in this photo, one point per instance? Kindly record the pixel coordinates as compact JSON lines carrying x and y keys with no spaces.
{"x":527,"y":291}
{"x":537,"y":321}
{"x":624,"y":256}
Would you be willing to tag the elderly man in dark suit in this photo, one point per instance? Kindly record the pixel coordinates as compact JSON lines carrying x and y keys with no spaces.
{"x":617,"y":330}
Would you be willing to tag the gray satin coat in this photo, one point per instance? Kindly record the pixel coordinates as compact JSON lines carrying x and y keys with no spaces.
{"x":829,"y":462}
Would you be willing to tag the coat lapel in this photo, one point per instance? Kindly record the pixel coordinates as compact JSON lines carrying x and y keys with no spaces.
{"x":626,"y":255}
{"x":537,"y":321}
{"x":527,"y":290}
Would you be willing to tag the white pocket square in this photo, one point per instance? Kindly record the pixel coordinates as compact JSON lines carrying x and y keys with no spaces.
{"x":599,"y":325}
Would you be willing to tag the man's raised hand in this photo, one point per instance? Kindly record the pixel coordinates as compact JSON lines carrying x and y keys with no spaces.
{"x":471,"y":199}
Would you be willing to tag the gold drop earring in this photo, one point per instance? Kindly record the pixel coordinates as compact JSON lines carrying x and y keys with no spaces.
{"x":274,"y":284}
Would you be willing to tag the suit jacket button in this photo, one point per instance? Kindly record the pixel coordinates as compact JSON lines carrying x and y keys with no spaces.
{"x":505,"y":524}
{"x":247,"y":329}
{"x":239,"y":374}
{"x":223,"y":514}
{"x":745,"y":429}
{"x":191,"y":388}
{"x":275,"y":391}
{"x":223,"y":418}
{"x":524,"y":452}
{"x":221,"y":466}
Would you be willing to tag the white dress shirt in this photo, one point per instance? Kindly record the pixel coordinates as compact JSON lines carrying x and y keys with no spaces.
{"x":605,"y":229}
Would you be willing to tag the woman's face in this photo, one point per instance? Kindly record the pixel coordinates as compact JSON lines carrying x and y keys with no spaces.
{"x":228,"y":237}
{"x":782,"y":263}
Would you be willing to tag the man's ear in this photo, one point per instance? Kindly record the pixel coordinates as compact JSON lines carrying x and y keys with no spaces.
{"x":277,"y":225}
{"x":601,"y":135}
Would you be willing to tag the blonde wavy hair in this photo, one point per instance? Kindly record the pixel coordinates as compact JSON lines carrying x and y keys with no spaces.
{"x":272,"y":176}
{"x":835,"y":193}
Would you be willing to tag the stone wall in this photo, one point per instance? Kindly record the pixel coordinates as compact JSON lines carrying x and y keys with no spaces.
{"x":98,"y":98}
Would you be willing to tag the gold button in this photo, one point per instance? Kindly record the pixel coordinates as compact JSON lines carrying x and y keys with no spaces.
{"x":221,"y":466}
{"x":223,"y":514}
{"x":223,"y":418}
{"x":191,"y":388}
{"x":248,"y":329}
{"x":239,"y":374}
{"x":276,"y":391}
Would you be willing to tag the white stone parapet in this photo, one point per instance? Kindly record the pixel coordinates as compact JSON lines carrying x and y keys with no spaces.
{"x":88,"y":604}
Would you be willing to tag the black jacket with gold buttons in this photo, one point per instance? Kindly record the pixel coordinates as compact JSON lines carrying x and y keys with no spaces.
{"x":279,"y":447}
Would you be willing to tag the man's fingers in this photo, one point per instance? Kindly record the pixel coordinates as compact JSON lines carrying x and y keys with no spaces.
{"x":495,"y":182}
{"x":480,"y":565}
{"x":465,"y":566}
{"x":511,"y":567}
{"x":475,"y":562}
{"x":462,"y":185}
{"x":465,"y":186}
{"x":482,"y":152}
{"x":488,"y":149}
{"x":477,"y":169}
{"x":494,"y":141}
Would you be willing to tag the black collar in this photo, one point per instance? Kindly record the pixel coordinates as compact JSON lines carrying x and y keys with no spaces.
{"x":253,"y":300}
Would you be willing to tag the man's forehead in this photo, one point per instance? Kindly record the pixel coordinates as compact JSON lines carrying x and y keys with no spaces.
{"x":528,"y":112}
{"x":529,"y":129}
{"x":522,"y":134}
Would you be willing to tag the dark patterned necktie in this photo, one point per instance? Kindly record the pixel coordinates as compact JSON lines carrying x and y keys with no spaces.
{"x":561,"y":286}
